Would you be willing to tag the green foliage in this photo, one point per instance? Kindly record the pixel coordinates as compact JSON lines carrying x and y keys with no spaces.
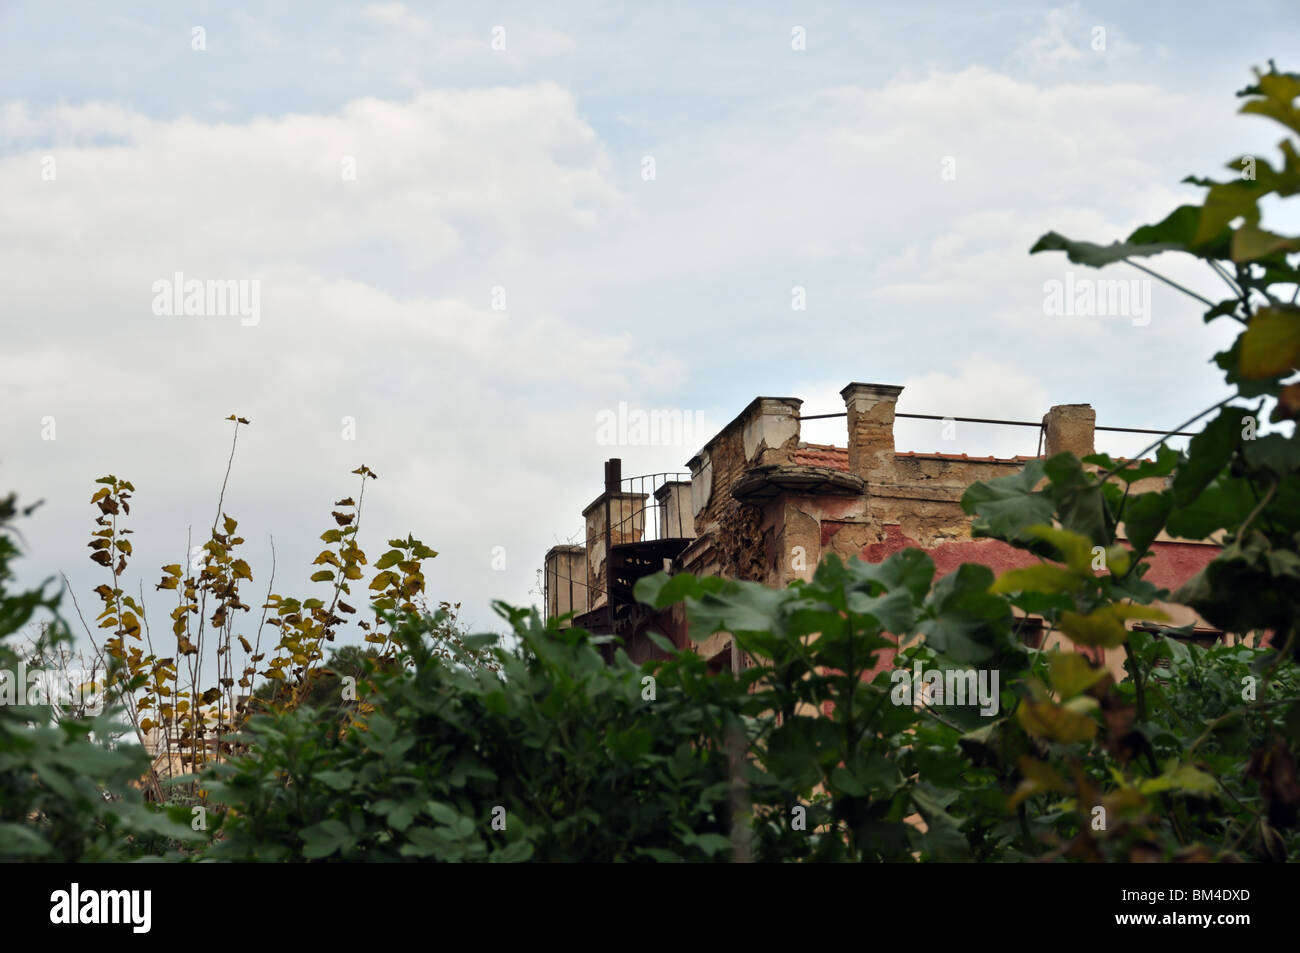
{"x":816,"y":752}
{"x":1023,"y":781}
{"x":66,"y":792}
{"x":557,"y":757}
{"x":850,"y":751}
{"x":1231,"y":478}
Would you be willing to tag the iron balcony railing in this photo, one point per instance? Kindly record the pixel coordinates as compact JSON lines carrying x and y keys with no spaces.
{"x":647,"y":509}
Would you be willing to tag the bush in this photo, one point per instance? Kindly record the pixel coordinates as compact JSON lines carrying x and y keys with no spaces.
{"x":559,"y":757}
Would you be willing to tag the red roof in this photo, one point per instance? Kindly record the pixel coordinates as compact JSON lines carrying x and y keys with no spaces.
{"x":837,"y":458}
{"x":821,"y":455}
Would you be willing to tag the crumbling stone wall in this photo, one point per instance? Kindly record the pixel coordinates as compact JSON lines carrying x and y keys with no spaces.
{"x":742,"y":545}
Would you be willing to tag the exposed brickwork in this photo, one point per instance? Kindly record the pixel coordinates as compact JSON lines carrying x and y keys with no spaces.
{"x":790,"y":515}
{"x":1070,"y":427}
{"x":870,"y":409}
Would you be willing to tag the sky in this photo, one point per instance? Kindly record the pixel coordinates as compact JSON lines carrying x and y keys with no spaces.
{"x":472,"y":229}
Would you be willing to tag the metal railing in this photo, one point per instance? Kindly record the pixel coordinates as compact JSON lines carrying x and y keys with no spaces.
{"x":1008,"y":423}
{"x":657,"y":507}
{"x":640,"y":509}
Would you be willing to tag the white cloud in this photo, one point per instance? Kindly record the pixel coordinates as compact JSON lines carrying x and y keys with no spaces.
{"x":545,"y":42}
{"x":1063,"y":40}
{"x":443,"y":388}
{"x":1069,"y":39}
{"x":673,"y":293}
{"x":427,"y":173}
{"x":396,"y":15}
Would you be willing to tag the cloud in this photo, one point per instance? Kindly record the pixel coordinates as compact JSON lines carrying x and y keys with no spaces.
{"x":545,"y":42}
{"x":379,"y":291}
{"x":396,"y":15}
{"x":1069,"y":40}
{"x":377,"y":306}
{"x":1062,"y":41}
{"x":418,"y":177}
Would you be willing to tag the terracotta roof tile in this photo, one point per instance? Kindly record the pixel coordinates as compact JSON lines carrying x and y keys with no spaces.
{"x":821,"y":455}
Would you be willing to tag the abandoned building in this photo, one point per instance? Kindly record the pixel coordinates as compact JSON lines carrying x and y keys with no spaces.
{"x":760,"y":504}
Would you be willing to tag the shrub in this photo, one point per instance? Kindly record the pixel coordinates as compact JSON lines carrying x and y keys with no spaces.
{"x":558,"y":757}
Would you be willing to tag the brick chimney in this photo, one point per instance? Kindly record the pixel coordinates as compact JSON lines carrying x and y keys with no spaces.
{"x":871,"y":430}
{"x":769,"y":429}
{"x":1069,"y":427}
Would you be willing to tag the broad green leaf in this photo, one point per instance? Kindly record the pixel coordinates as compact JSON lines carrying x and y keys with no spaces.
{"x":1207,"y":454}
{"x":1144,"y":517}
{"x":1004,"y":507}
{"x":1097,"y":256}
{"x":390,"y":558}
{"x":910,"y":569}
{"x":1222,"y":505}
{"x":338,"y":780}
{"x":1105,"y":626}
{"x":1224,"y":202}
{"x":736,"y":607}
{"x":1130,"y":471}
{"x":1251,"y":242}
{"x":1079,"y":499}
{"x":1183,"y":777}
{"x":1278,"y":92}
{"x":1071,"y":673}
{"x":1270,"y":345}
{"x":1046,"y":720}
{"x":1274,"y":452}
{"x":321,"y":840}
{"x":962,"y":619}
{"x":1044,"y":578}
{"x":1074,"y":547}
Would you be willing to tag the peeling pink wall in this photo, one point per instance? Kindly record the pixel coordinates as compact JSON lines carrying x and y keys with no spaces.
{"x":1172,"y":563}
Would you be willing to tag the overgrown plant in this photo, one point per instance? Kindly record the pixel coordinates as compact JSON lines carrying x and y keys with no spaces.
{"x":188,"y":715}
{"x":67,"y":791}
{"x":559,"y":757}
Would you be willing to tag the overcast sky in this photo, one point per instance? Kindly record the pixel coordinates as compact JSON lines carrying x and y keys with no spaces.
{"x":458,"y":245}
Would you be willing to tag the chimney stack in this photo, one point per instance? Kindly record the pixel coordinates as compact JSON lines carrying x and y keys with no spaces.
{"x":769,"y":430}
{"x":871,"y":430}
{"x":1070,"y":427}
{"x":566,"y":581}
